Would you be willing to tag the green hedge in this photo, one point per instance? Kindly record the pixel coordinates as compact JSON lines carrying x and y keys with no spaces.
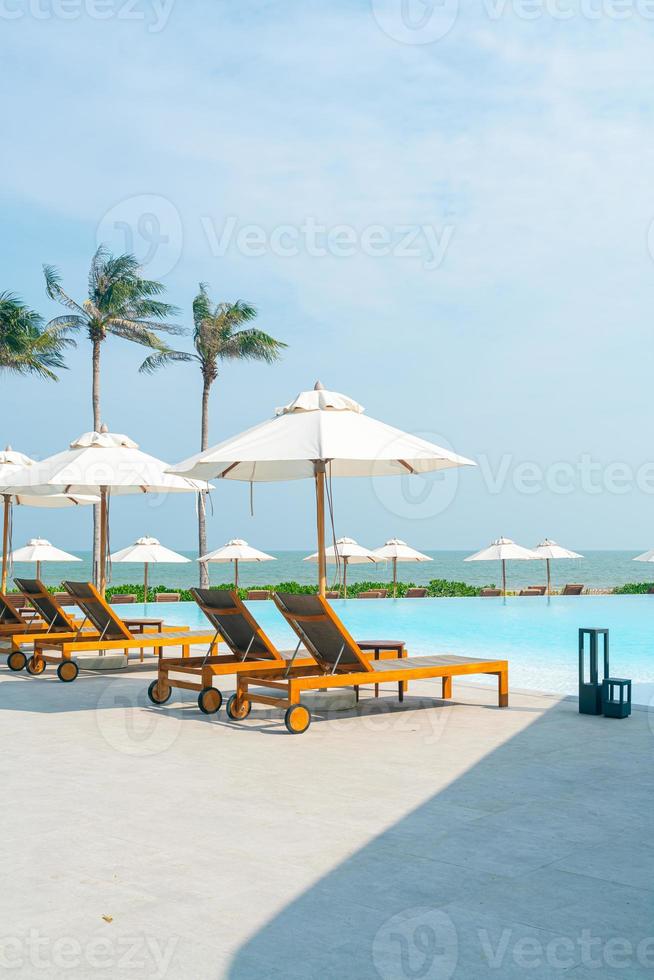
{"x":633,"y":588}
{"x":438,"y":587}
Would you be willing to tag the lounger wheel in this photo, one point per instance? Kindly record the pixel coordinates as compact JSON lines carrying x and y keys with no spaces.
{"x":209,"y":700}
{"x":67,"y":671}
{"x":238,"y":714}
{"x":297,"y":719}
{"x":155,"y":695}
{"x":16,"y":660}
{"x":35,"y":666}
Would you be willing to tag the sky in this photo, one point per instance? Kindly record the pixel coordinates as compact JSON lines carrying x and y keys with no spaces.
{"x":444,"y":210}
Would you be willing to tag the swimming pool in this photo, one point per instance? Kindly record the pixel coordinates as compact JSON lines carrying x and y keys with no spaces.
{"x":538,"y":636}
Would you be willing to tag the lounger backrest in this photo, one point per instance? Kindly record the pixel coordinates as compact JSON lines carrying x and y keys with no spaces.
{"x":573,"y":589}
{"x":45,"y":604}
{"x":233,"y":620}
{"x":9,"y":615}
{"x":98,"y":612}
{"x":321,"y":631}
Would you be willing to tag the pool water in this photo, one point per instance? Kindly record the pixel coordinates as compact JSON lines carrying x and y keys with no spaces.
{"x":539,"y":636}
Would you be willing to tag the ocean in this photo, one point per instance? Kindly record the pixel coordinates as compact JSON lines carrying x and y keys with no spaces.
{"x":597,"y":570}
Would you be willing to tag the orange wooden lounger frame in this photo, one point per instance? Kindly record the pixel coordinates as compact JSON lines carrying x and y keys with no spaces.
{"x":340,"y":663}
{"x":252,"y":651}
{"x":53,"y":621}
{"x":112,"y":634}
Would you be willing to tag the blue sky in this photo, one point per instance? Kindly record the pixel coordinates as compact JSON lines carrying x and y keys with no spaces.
{"x":510,"y":157}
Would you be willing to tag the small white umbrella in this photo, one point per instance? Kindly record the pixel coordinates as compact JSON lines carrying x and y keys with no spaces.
{"x":347,"y":551}
{"x":503,"y":550}
{"x":104,"y":463}
{"x":12,"y":462}
{"x":235,"y":551}
{"x":549,"y":550}
{"x":147,"y":551}
{"x":646,"y":556}
{"x":395,"y":550}
{"x":319,"y":435}
{"x":39,"y":550}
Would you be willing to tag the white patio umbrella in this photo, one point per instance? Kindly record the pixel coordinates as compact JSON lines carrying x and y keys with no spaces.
{"x":39,"y":550}
{"x":103,"y":463}
{"x":395,"y":550}
{"x":235,"y":551}
{"x":147,"y":551}
{"x":320,"y":435}
{"x":549,"y":550}
{"x":12,"y":462}
{"x":347,"y":551}
{"x":503,"y":550}
{"x":646,"y":556}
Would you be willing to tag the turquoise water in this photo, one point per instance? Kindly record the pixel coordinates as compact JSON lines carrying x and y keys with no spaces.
{"x":538,"y":636}
{"x":598,"y":569}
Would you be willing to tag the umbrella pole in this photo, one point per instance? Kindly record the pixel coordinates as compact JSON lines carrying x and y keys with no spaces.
{"x":395,"y":578}
{"x":504,"y":576}
{"x":103,"y":540}
{"x":38,"y":569}
{"x":549,"y":590}
{"x":320,"y":526}
{"x":5,"y":541}
{"x":345,"y":578}
{"x":145,"y":581}
{"x":236,"y":573}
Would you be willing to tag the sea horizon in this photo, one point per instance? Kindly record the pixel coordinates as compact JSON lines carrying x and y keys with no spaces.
{"x":598,"y":569}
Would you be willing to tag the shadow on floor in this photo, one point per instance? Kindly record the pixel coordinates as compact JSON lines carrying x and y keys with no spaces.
{"x":534,"y":863}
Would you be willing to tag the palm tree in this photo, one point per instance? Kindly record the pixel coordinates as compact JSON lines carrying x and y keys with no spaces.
{"x":220,"y":333}
{"x":120,"y":303}
{"x":26,"y":347}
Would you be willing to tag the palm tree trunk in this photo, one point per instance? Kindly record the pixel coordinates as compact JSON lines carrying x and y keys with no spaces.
{"x":97,"y":422}
{"x":202,"y":497}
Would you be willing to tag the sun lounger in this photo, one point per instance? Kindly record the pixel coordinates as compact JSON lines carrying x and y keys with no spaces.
{"x":572,"y":589}
{"x":532,"y":590}
{"x":258,"y":594}
{"x":340,"y":663}
{"x":112,"y":633}
{"x":490,"y":593}
{"x":122,"y":598}
{"x":167,"y":597}
{"x":250,"y":649}
{"x":373,"y":594}
{"x":416,"y":593}
{"x":17,"y":632}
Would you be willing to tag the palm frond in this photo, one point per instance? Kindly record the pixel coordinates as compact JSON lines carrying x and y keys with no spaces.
{"x":253,"y":345}
{"x":163,"y":358}
{"x":26,"y":347}
{"x":54,"y":290}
